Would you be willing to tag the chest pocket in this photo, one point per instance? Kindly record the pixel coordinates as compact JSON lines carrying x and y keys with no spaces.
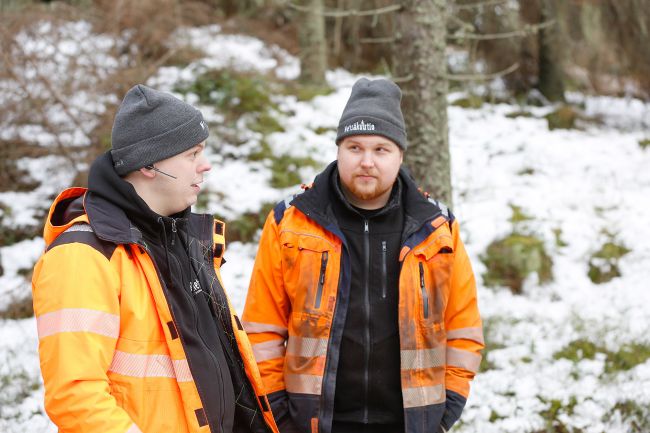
{"x":307,"y":270}
{"x":435,"y":261}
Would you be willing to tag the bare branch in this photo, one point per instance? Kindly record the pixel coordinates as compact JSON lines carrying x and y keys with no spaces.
{"x":404,"y":79}
{"x":469,"y":27}
{"x":386,"y":40}
{"x":527,"y":30}
{"x":480,"y":4}
{"x":483,"y":77}
{"x":350,"y":13}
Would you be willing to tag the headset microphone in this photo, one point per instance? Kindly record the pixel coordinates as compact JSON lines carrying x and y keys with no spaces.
{"x":151,"y":167}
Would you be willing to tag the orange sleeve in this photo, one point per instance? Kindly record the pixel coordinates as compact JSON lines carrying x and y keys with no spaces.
{"x":462,"y":322}
{"x":76,"y":304}
{"x":267,"y":309}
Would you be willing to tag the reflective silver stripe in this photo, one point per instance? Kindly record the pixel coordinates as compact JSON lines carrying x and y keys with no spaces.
{"x":463,"y":359}
{"x":303,"y":383}
{"x":304,"y":346}
{"x":78,"y":320}
{"x":79,"y":227}
{"x":133,"y":429}
{"x":137,"y":365}
{"x":269,"y":350}
{"x":258,"y":328}
{"x":423,"y":396}
{"x":474,"y":334}
{"x":423,"y":358}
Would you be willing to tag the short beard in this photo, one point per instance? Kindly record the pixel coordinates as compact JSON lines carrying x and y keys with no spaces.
{"x":364,"y":194}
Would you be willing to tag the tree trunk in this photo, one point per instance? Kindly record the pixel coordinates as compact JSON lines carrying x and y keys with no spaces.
{"x":419,"y":59}
{"x":551,"y":76}
{"x":313,"y":45}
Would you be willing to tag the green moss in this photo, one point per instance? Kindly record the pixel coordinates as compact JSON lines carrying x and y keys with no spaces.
{"x":635,"y":416}
{"x":510,"y":260}
{"x":644,"y":144}
{"x":245,"y":227}
{"x":284,"y":168}
{"x":553,"y":414}
{"x":603,"y":264}
{"x":626,"y":358}
{"x":265,"y":124}
{"x":563,"y":118}
{"x":489,"y":326}
{"x":520,"y":113}
{"x":494,"y":416}
{"x":322,"y":130}
{"x":518,"y":215}
{"x":526,"y":171}
{"x":557,"y":234}
{"x":17,"y":385}
{"x":10,"y":235}
{"x":578,"y":350}
{"x":471,"y":101}
{"x":234,"y":92}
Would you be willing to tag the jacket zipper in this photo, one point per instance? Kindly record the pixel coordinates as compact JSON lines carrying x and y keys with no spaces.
{"x":195,"y":315}
{"x":321,"y":280}
{"x":425,"y":297}
{"x":173,"y":230}
{"x":383,"y":270}
{"x":366,"y":372}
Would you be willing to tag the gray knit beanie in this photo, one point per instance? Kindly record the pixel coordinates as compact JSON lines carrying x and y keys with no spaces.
{"x":151,"y":126}
{"x":374,"y":109}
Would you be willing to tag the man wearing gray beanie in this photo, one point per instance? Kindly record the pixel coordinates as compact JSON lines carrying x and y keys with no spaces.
{"x":362,"y":304}
{"x":136,"y":332}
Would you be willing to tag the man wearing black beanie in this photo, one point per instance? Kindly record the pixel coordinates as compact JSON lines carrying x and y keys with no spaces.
{"x":135,"y":330}
{"x":362,"y":305}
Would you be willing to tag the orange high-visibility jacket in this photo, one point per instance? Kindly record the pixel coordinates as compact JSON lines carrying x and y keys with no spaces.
{"x":297,"y":301}
{"x":112,"y":359}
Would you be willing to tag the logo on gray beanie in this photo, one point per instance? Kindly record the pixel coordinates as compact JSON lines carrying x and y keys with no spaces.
{"x":151,"y":126}
{"x":374,"y":109}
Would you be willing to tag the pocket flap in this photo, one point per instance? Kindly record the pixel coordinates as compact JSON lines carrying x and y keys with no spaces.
{"x":305,"y":241}
{"x":443,"y":244}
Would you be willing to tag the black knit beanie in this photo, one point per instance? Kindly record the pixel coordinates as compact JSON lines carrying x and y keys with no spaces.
{"x":151,"y":126}
{"x":374,"y":109}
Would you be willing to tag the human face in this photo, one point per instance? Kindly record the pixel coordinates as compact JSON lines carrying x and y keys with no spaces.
{"x":368,"y":166}
{"x":175,"y":195}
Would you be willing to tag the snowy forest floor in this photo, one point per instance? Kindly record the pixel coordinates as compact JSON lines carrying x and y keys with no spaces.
{"x":568,"y":355}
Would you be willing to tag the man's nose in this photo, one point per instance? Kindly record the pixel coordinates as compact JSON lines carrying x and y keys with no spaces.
{"x":204,"y":165}
{"x":367,"y":159}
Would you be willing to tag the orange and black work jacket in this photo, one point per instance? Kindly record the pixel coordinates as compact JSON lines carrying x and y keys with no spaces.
{"x":121,"y":342}
{"x":298,"y":300}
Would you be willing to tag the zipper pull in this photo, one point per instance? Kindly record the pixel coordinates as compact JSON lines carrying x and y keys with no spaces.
{"x":365,"y":226}
{"x":173,"y":230}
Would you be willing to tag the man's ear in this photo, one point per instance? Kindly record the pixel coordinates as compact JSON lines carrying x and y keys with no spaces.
{"x":147,"y":172}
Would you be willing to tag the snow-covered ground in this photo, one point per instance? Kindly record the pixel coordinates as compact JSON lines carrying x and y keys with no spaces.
{"x":579,"y":181}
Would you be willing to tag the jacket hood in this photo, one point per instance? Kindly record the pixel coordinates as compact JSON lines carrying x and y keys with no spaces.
{"x":110,"y":205}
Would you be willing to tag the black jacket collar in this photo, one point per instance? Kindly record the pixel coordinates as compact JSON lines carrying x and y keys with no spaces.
{"x":315,"y":202}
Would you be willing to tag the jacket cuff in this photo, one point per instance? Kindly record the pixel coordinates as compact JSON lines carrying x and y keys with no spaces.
{"x":453,"y":409}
